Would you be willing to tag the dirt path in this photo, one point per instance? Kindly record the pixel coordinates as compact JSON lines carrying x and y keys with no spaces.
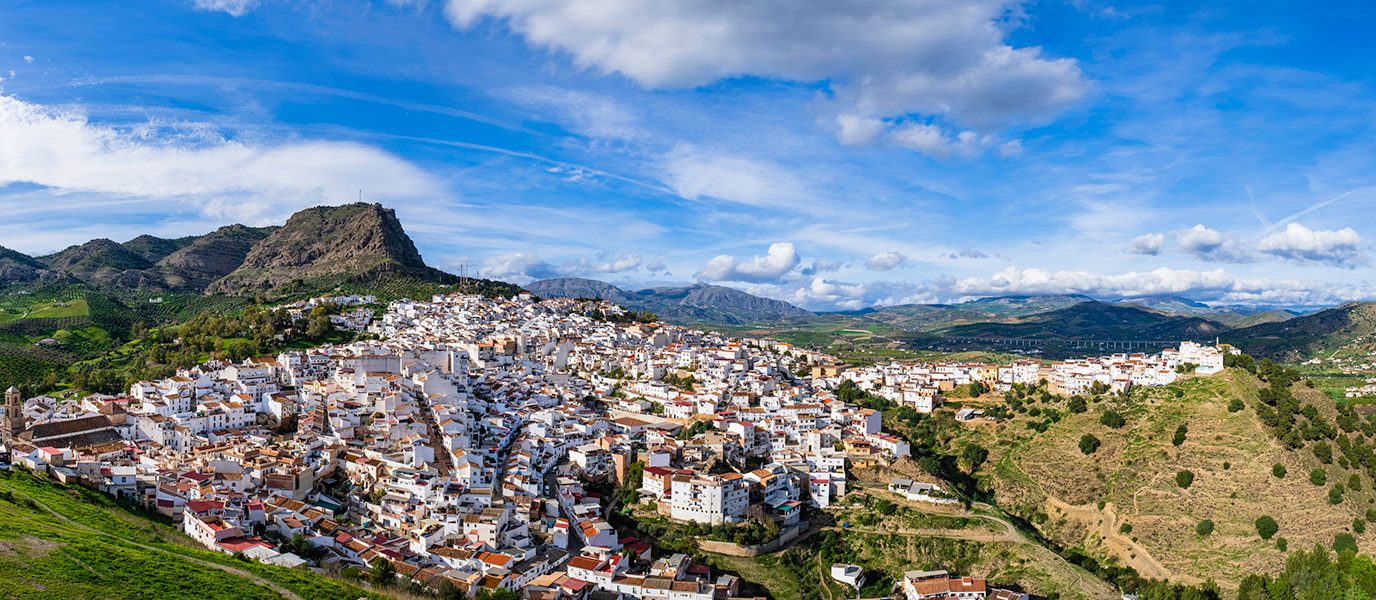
{"x":1106,"y":523}
{"x":955,"y":534}
{"x":204,"y":563}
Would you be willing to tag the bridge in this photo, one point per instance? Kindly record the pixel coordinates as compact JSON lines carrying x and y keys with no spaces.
{"x":1069,"y":343}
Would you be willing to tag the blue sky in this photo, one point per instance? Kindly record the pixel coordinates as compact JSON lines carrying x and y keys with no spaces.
{"x":836,"y":154}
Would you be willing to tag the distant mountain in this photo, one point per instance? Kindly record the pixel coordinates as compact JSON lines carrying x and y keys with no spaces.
{"x":1259,"y":318}
{"x":577,"y":287}
{"x":212,"y":256}
{"x":1305,"y":335}
{"x":1096,"y":321}
{"x":99,"y":261}
{"x":16,"y":266}
{"x":696,"y":303}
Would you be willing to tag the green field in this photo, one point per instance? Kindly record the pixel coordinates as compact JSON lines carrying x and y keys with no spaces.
{"x":52,"y":310}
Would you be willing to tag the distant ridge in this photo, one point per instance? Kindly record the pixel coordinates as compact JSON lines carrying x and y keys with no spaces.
{"x":695,"y":303}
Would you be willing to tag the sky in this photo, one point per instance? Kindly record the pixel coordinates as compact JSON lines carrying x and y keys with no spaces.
{"x":836,"y":154}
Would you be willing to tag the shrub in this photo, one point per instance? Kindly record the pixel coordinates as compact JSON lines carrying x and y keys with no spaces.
{"x":1266,"y":527}
{"x":1335,"y":495}
{"x":1318,"y":477}
{"x":1227,"y":465}
{"x":1236,"y":405}
{"x":1077,"y":405}
{"x":1180,"y":435}
{"x":1204,"y":527}
{"x":1089,"y":443}
{"x":1278,"y":470}
{"x":1344,"y":541}
{"x":1184,"y":478}
{"x":1112,"y":419}
{"x":1125,"y":529}
{"x":1281,"y":544}
{"x":1323,"y":452}
{"x":1358,"y":526}
{"x":1354,"y":482}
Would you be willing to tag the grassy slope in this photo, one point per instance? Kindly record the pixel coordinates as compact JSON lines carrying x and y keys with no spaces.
{"x":1045,"y":477}
{"x":46,"y":552}
{"x":76,"y":308}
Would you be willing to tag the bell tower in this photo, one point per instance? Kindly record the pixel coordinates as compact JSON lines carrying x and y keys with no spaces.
{"x":14,"y":414}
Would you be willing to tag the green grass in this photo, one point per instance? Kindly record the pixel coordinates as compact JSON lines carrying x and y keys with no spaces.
{"x":140,"y":573}
{"x":6,"y":317}
{"x":52,"y":310}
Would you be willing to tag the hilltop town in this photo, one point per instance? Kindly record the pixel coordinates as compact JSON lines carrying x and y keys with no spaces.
{"x":483,"y":444}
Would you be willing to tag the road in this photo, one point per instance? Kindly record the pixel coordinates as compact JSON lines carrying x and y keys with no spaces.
{"x":204,"y":563}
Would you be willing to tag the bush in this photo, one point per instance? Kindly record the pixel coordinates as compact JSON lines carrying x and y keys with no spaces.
{"x":1125,"y":529}
{"x":1335,"y":495}
{"x":1112,"y":419}
{"x":1204,"y":527}
{"x":1358,"y":526}
{"x":1184,"y":478}
{"x":1278,"y":470}
{"x":1180,"y":435}
{"x":1323,"y":452}
{"x":1266,"y":527}
{"x":1077,"y":405}
{"x":1344,"y":541}
{"x":1281,"y":544}
{"x":1318,"y":477}
{"x":1088,"y":443}
{"x":1236,"y":405}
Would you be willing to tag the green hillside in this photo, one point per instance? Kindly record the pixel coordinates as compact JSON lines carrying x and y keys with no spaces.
{"x":67,"y":542}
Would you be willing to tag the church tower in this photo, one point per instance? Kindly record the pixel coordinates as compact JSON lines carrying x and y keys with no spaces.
{"x":14,"y":414}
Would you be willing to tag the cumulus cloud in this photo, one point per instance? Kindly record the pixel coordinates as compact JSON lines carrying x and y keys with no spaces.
{"x":657,"y":267}
{"x":235,"y":8}
{"x":1206,"y":286}
{"x":1211,"y":245}
{"x":1304,"y":245}
{"x":523,"y":267}
{"x":885,"y":261}
{"x":1150,"y":243}
{"x":191,"y":163}
{"x":781,"y":259}
{"x":966,"y":253}
{"x":879,"y":60}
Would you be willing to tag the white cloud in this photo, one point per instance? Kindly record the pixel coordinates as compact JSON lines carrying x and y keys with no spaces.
{"x":924,"y":138}
{"x":880,"y":60}
{"x":1150,"y":243}
{"x":1301,"y":244}
{"x":235,"y":8}
{"x":590,"y":115}
{"x":884,"y":261}
{"x":28,"y":59}
{"x":1010,"y":149}
{"x":781,"y":259}
{"x":856,"y":130}
{"x":247,"y":183}
{"x":524,"y":267}
{"x":821,"y":265}
{"x":693,"y":173}
{"x":657,"y":267}
{"x":1211,"y":245}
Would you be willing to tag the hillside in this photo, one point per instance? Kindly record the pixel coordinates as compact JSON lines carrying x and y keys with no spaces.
{"x":205,"y":259}
{"x":1095,"y":321}
{"x":1309,"y":334}
{"x":154,"y":249}
{"x":700,"y":303}
{"x":60,"y":542}
{"x":1122,"y":503}
{"x":364,"y":241}
{"x":1260,"y":318}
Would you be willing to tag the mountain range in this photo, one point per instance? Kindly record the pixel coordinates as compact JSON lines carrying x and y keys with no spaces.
{"x":694,"y":303}
{"x":359,"y":241}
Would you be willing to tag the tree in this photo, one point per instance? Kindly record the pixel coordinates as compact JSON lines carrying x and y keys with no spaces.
{"x":1266,"y":527}
{"x":319,"y":327}
{"x":383,"y":572}
{"x":1323,"y":452}
{"x":977,"y":389}
{"x":1112,"y":419}
{"x":497,"y":594}
{"x":1125,"y":528}
{"x":1184,"y":478}
{"x":1180,"y":435}
{"x":1088,"y":443}
{"x":1235,"y":405}
{"x":1204,"y":527}
{"x":449,"y":591}
{"x":1335,"y":495}
{"x":1278,"y":470}
{"x":1359,"y":526}
{"x":1077,"y":405}
{"x":1318,"y":477}
{"x":973,"y":455}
